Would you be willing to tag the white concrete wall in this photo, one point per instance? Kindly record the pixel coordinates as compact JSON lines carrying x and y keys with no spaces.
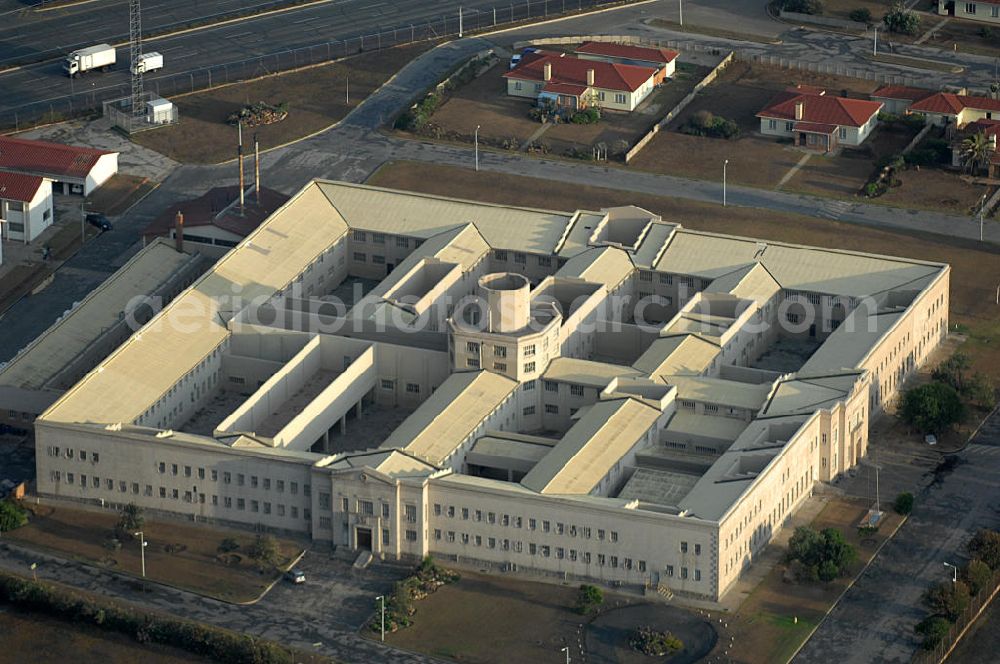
{"x":981,"y":11}
{"x":106,"y":166}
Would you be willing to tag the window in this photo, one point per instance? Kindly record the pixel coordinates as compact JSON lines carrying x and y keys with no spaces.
{"x":684,"y":547}
{"x":619,"y":97}
{"x":412,"y":388}
{"x":697,"y":575}
{"x":576,"y":390}
{"x":551,"y":386}
{"x":472,"y":362}
{"x":465,"y":538}
{"x":324,"y":500}
{"x":378,"y":238}
{"x":792,"y":317}
{"x":294,"y":488}
{"x":240,"y":479}
{"x":345,"y":505}
{"x":411,"y":536}
{"x":500,"y":366}
{"x":472,"y":346}
{"x":520,"y":258}
{"x":614,"y":535}
{"x":253,"y":481}
{"x":697,"y":549}
{"x":517,"y":85}
{"x":360,"y":256}
{"x":600,"y":534}
{"x":402,"y":242}
{"x":528,"y":410}
{"x":544,"y":261}
{"x":531,"y":524}
{"x":551,"y":409}
{"x":529,"y":367}
{"x":173,"y":469}
{"x":772,"y":124}
{"x":970,"y":8}
{"x":500,"y":351}
{"x":437,"y":509}
{"x":254,"y":506}
{"x":437,"y":534}
{"x":83,"y":455}
{"x":411,"y":513}
{"x":789,"y":126}
{"x":529,"y":385}
{"x":135,"y":487}
{"x":546,"y":526}
{"x":378,"y":260}
{"x":387,"y":384}
{"x":325,"y":523}
{"x":465,"y":513}
{"x":360,"y":236}
{"x":995,"y":12}
{"x":600,"y":559}
{"x":842,"y":133}
{"x":642,"y":565}
{"x":110,"y":485}
{"x":280,"y":486}
{"x":367,"y":508}
{"x":500,"y":254}
{"x":684,"y":572}
{"x":385,"y":510}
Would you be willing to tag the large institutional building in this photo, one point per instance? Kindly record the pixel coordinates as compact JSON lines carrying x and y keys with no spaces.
{"x":595,"y":394}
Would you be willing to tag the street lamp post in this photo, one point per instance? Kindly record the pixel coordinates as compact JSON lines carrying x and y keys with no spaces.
{"x":680,"y":12}
{"x":954,"y":572}
{"x":142,"y":551}
{"x":566,"y":650}
{"x":724,"y":164}
{"x":875,"y":46}
{"x":982,"y":207}
{"x":381,"y":598}
{"x":459,"y":22}
{"x":477,"y":146}
{"x":34,"y":574}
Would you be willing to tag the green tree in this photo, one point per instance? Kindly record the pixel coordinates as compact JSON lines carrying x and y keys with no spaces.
{"x":975,"y":152}
{"x":952,"y":371}
{"x":933,"y":629}
{"x":805,"y":546}
{"x":824,"y":555}
{"x":904,"y":503}
{"x":977,"y":575}
{"x":11,"y":516}
{"x":948,"y":599}
{"x":130,"y":519}
{"x":985,"y":546}
{"x":860,"y":16}
{"x":264,"y":551}
{"x":588,"y":599}
{"x":981,"y":390}
{"x":931,"y":408}
{"x":902,"y":20}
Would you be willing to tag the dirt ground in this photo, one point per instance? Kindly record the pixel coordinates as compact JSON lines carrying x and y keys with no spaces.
{"x":485,"y":102}
{"x":738,"y":95}
{"x":316,"y":99}
{"x":778,"y":615}
{"x":195,"y":563}
{"x":119,"y":194}
{"x":975,"y":269}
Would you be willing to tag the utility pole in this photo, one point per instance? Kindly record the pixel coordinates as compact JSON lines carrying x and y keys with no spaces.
{"x":142,"y":551}
{"x":381,"y":598}
{"x":680,"y":10}
{"x":239,"y":158}
{"x":477,"y":146}
{"x":459,"y":22}
{"x":347,"y":88}
{"x":566,"y":650}
{"x":724,"y":164}
{"x":875,"y":47}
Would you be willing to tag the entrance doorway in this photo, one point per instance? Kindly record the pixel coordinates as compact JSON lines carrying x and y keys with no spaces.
{"x":364,"y":538}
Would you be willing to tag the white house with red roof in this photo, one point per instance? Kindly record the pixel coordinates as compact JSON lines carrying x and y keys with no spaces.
{"x":25,"y":206}
{"x":75,"y":169}
{"x":664,"y":60}
{"x":946,"y":108}
{"x":898,"y":98}
{"x":577,"y":84}
{"x":817,"y":120}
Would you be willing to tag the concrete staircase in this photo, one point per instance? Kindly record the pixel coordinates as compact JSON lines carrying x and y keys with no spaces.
{"x":363,"y":560}
{"x":664,"y":592}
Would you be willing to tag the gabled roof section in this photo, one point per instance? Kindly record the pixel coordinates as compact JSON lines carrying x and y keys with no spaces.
{"x":19,"y":187}
{"x":684,"y":354}
{"x":605,"y":433}
{"x":629,"y":52}
{"x":567,"y":69}
{"x":803,"y":394}
{"x":459,"y":405}
{"x":821,"y":108}
{"x":605,"y":265}
{"x":952,"y":104}
{"x":585,"y":372}
{"x":751,"y":282}
{"x":42,"y":157}
{"x":901,"y":92}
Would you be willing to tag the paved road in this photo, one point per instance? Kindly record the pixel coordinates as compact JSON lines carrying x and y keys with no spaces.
{"x":27,"y":35}
{"x":323,"y":615}
{"x":874,"y":622}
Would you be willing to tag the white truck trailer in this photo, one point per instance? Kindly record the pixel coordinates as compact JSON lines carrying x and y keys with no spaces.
{"x":100,"y":57}
{"x":148,"y":62}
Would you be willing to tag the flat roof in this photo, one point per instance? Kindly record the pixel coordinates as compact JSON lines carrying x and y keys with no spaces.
{"x":599,"y":439}
{"x":459,"y":405}
{"x":585,"y":372}
{"x":720,"y":391}
{"x":66,"y":339}
{"x":659,"y":487}
{"x":710,"y":426}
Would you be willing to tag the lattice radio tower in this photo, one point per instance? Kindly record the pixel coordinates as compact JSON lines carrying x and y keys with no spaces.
{"x":135,"y":51}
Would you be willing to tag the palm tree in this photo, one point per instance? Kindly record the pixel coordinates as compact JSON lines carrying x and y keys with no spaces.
{"x":975,"y":152}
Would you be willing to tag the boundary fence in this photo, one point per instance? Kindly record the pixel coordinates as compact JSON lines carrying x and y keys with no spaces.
{"x":965,"y":621}
{"x":88,"y":100}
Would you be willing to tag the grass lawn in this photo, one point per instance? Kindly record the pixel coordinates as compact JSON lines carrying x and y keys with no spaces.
{"x":30,"y":637}
{"x":778,"y":615}
{"x":177,"y":555}
{"x":530,"y":621}
{"x":975,"y":270}
{"x":502,"y":118}
{"x":316,"y":99}
{"x":843,"y":8}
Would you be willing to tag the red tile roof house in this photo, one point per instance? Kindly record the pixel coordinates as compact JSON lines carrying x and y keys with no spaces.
{"x":946,"y":108}
{"x":819,"y":121}
{"x":25,"y":206}
{"x":664,"y":60}
{"x":73,"y":169}
{"x":899,"y":98}
{"x":575,"y":83}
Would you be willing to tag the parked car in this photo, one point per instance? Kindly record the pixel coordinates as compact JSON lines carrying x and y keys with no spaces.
{"x":99,"y":220}
{"x":295,"y":576}
{"x":515,"y":60}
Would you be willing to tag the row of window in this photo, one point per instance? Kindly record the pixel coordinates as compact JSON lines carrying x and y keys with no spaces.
{"x":379,"y":238}
{"x":970,"y":8}
{"x":508,"y":520}
{"x":544,"y":550}
{"x":241,"y":479}
{"x":70,"y":453}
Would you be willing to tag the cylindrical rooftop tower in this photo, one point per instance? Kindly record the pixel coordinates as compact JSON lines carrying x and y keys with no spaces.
{"x":508,"y":301}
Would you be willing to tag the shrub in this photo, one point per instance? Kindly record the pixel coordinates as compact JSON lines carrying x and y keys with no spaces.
{"x":985,"y":546}
{"x":860,"y":15}
{"x":940,"y":147}
{"x":902,"y":20}
{"x":803,"y":6}
{"x":588,"y":599}
{"x":264,"y":551}
{"x":415,"y":118}
{"x":980,"y":390}
{"x":977,"y":575}
{"x":228,"y":545}
{"x":588,"y":116}
{"x":704,"y":123}
{"x":933,"y":629}
{"x":872,"y":190}
{"x":654,"y":643}
{"x":921,"y":157}
{"x":931,"y":408}
{"x":948,"y":599}
{"x":904,"y":503}
{"x":11,"y":516}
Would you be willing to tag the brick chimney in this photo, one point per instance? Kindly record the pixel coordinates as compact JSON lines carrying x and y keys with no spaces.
{"x":547,"y":71}
{"x":590,"y":77}
{"x":799,"y":108}
{"x":179,"y":231}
